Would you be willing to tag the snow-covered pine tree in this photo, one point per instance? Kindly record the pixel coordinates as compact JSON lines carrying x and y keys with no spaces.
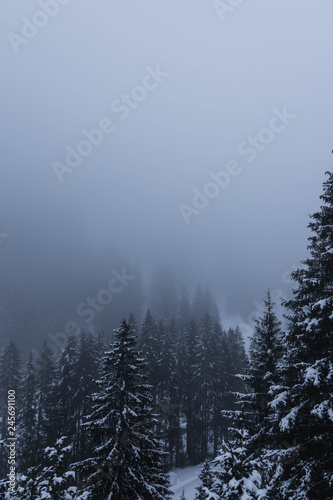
{"x":167,"y":376}
{"x":238,"y":475}
{"x":307,"y":420}
{"x":204,"y":489}
{"x":55,"y":481}
{"x":86,"y":371}
{"x":128,"y":461}
{"x":209,"y":357}
{"x":67,"y":383}
{"x":237,"y":362}
{"x":262,"y":377}
{"x":191,"y":403}
{"x":100,"y":345}
{"x":242,"y":464}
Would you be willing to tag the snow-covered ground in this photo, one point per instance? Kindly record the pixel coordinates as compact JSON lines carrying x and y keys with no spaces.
{"x":185,"y":479}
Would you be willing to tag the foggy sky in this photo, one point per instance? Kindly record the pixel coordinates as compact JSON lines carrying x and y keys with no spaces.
{"x":225,"y":78}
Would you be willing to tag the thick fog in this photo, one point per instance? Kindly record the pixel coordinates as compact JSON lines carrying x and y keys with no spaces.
{"x":189,"y":134}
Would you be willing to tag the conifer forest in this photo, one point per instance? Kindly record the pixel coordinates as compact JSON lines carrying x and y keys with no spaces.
{"x":166,"y":250}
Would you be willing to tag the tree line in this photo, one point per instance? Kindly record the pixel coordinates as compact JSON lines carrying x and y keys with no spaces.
{"x":189,"y":364}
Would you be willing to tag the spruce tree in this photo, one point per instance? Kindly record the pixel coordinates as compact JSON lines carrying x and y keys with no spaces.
{"x":127,"y":462}
{"x":28,"y":416}
{"x":55,"y":480}
{"x":237,"y":475}
{"x":48,"y":417}
{"x":67,"y":383}
{"x":206,"y":483}
{"x":206,"y":373}
{"x":262,"y":377}
{"x":191,"y":403}
{"x":307,"y":401}
{"x":86,"y":371}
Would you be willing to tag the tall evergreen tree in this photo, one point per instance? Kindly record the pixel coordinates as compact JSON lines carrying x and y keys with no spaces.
{"x":237,"y":363}
{"x":262,"y":377}
{"x":191,"y":402}
{"x":242,"y":459}
{"x":48,"y":417}
{"x":28,"y":416}
{"x":86,"y":371}
{"x":127,"y":462}
{"x":206,"y":373}
{"x":307,"y":401}
{"x":206,"y":483}
{"x":66,"y":386}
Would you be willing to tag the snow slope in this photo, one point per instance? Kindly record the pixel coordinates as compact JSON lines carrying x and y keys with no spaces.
{"x":186,"y":479}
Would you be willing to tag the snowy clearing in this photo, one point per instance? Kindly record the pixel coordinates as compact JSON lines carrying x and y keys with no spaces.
{"x":185,"y":479}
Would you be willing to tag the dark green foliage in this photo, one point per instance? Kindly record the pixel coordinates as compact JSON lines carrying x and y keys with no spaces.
{"x":206,"y":482}
{"x":127,"y":462}
{"x":306,"y":409}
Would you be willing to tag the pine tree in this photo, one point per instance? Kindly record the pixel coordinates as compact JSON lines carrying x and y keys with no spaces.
{"x":237,"y":476}
{"x":219,"y":386}
{"x":86,"y":371}
{"x":307,"y":401}
{"x":191,"y":403}
{"x":28,"y":416}
{"x":67,"y":383}
{"x":236,"y":364}
{"x":127,"y":462}
{"x":55,"y":481}
{"x":167,"y":377}
{"x":206,"y":373}
{"x":262,"y":376}
{"x":48,"y":418}
{"x":206,"y":483}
